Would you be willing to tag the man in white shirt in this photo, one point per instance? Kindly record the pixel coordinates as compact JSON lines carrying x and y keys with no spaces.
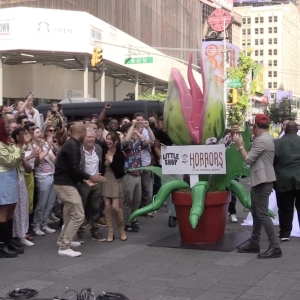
{"x":91,"y":162}
{"x":147,"y":176}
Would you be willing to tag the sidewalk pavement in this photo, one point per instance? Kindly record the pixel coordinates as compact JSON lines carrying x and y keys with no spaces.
{"x":147,"y":273}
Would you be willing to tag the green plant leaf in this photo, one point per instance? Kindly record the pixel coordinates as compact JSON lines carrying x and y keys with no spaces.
{"x":157,"y":171}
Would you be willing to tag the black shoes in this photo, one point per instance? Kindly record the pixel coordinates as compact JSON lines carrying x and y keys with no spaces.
{"x":15,"y":248}
{"x":172,"y":222}
{"x":5,"y":252}
{"x":249,"y":248}
{"x":270,"y":253}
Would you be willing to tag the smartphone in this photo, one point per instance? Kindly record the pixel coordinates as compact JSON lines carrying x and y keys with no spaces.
{"x":95,"y":116}
{"x":65,"y":121}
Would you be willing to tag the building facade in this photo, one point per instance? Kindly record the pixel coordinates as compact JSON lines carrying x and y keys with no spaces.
{"x":273,"y":33}
{"x":170,"y":26}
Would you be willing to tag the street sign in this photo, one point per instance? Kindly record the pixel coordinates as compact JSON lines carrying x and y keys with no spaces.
{"x":234,"y":83}
{"x":138,"y":60}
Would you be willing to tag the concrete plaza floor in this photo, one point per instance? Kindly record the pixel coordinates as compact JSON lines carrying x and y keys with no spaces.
{"x":148,"y":273}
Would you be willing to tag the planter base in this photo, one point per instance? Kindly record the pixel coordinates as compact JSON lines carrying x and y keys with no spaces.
{"x":211,"y":226}
{"x":230,"y":242}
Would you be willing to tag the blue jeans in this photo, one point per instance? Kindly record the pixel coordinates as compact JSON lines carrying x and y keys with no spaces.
{"x":46,"y":199}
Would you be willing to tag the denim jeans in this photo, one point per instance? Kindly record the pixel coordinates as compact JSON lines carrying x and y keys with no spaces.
{"x":45,"y":200}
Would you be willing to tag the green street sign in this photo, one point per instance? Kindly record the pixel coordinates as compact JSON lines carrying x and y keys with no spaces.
{"x":138,"y":60}
{"x":234,"y":83}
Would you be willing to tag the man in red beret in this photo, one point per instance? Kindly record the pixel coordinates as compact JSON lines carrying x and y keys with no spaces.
{"x":260,"y":158}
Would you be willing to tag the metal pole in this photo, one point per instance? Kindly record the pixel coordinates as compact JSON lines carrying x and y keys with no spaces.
{"x":153,"y":87}
{"x":94,"y":85}
{"x":115,"y":90}
{"x":136,"y":90}
{"x":1,"y":81}
{"x":86,"y":77}
{"x":102,"y":96}
{"x":225,"y":69}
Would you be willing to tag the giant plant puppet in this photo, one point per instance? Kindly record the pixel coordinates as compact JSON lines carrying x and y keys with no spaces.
{"x":191,"y":117}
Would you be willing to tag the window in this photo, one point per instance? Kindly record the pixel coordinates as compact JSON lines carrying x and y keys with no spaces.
{"x":261,"y":62}
{"x":270,"y":29}
{"x":256,"y":20}
{"x":261,"y":41}
{"x":270,"y":19}
{"x":261,"y":52}
{"x":261,"y":30}
{"x":244,"y":43}
{"x":275,"y":63}
{"x":261,"y":19}
{"x":248,"y":20}
{"x":244,"y":20}
{"x":275,"y":18}
{"x":273,"y":96}
{"x":275,"y":51}
{"x":248,"y":42}
{"x":256,"y":30}
{"x":269,"y":84}
{"x":270,"y":63}
{"x":274,"y":84}
{"x":270,"y":73}
{"x":244,"y":31}
{"x":275,"y":41}
{"x":275,"y":29}
{"x":256,"y":41}
{"x":270,"y":41}
{"x":248,"y":31}
{"x":256,"y":52}
{"x":275,"y":74}
{"x":270,"y":51}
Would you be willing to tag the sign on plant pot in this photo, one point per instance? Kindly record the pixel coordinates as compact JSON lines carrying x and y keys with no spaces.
{"x":194,"y":160}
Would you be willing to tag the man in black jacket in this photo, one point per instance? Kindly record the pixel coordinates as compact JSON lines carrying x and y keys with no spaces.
{"x":67,"y":175}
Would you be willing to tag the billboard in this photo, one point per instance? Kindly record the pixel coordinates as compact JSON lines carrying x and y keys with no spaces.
{"x":214,"y":51}
{"x":259,"y":79}
{"x":227,"y":4}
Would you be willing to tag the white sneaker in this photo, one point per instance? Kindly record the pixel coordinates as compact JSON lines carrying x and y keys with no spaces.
{"x":233,"y":218}
{"x":37,"y":231}
{"x":26,"y":242}
{"x":48,"y":229}
{"x":73,"y":244}
{"x":69,"y":252}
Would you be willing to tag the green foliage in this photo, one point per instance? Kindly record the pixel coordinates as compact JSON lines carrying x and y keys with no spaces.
{"x":147,"y":96}
{"x":281,"y":110}
{"x":245,"y":65}
{"x":157,"y":96}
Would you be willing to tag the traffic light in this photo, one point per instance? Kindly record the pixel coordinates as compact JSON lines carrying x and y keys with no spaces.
{"x":96,"y":57}
{"x":234,"y":97}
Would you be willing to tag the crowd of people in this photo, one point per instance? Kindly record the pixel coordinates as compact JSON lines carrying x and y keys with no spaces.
{"x":86,"y":171}
{"x":90,"y":172}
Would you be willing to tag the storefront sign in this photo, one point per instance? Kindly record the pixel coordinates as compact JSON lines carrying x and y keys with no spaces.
{"x":193,"y":160}
{"x":5,"y":29}
{"x":45,"y":29}
{"x":95,"y":36}
{"x":217,"y":18}
{"x":70,"y":93}
{"x":224,"y":3}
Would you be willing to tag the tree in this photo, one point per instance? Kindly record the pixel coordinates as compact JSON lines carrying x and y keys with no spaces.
{"x":245,"y":65}
{"x":281,"y":110}
{"x":147,"y":96}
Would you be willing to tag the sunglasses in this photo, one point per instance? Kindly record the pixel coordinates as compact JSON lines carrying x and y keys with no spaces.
{"x":52,"y":130}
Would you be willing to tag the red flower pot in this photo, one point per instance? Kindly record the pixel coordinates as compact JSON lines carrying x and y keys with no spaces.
{"x":211,"y":226}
